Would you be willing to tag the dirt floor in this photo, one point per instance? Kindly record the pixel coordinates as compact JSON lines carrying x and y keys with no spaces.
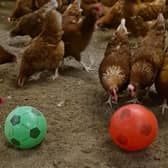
{"x":78,"y":120}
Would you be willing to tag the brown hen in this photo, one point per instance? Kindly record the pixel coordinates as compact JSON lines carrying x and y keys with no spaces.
{"x":46,"y":51}
{"x":115,"y":67}
{"x":78,"y":30}
{"x":32,"y":23}
{"x":147,"y":58}
{"x":137,"y":26}
{"x":23,"y":7}
{"x":147,"y":9}
{"x":112,"y":16}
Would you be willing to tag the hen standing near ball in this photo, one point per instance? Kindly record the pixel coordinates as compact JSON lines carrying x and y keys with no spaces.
{"x":147,"y":59}
{"x":115,"y":67}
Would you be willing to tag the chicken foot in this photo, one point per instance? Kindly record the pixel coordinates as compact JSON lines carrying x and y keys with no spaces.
{"x":164,"y":106}
{"x":110,"y":102}
{"x":35,"y":76}
{"x":85,"y":67}
{"x":56,"y":74}
{"x":90,"y":67}
{"x":134,"y":101}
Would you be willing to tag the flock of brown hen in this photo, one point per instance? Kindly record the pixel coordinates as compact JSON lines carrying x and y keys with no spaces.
{"x":62,"y":28}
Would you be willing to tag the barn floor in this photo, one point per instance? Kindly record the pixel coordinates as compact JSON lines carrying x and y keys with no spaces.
{"x":78,"y":120}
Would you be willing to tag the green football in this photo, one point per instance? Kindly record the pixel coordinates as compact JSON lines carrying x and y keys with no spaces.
{"x":25,"y":127}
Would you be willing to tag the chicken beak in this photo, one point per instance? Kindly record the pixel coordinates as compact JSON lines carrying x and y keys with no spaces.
{"x":131,"y":90}
{"x":99,"y":9}
{"x":114,"y":95}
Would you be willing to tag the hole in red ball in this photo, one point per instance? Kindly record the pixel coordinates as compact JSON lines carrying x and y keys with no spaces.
{"x":122,"y":139}
{"x":125,"y":114}
{"x":146,"y":129}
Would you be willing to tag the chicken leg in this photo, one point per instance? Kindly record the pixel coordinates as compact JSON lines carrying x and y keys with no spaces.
{"x":56,"y":74}
{"x":134,"y":101}
{"x":90,"y":67}
{"x":85,"y":67}
{"x":35,"y":76}
{"x":147,"y":93}
{"x":164,"y":106}
{"x":110,"y":101}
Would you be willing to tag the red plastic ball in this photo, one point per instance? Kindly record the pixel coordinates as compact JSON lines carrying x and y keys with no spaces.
{"x":133,"y":127}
